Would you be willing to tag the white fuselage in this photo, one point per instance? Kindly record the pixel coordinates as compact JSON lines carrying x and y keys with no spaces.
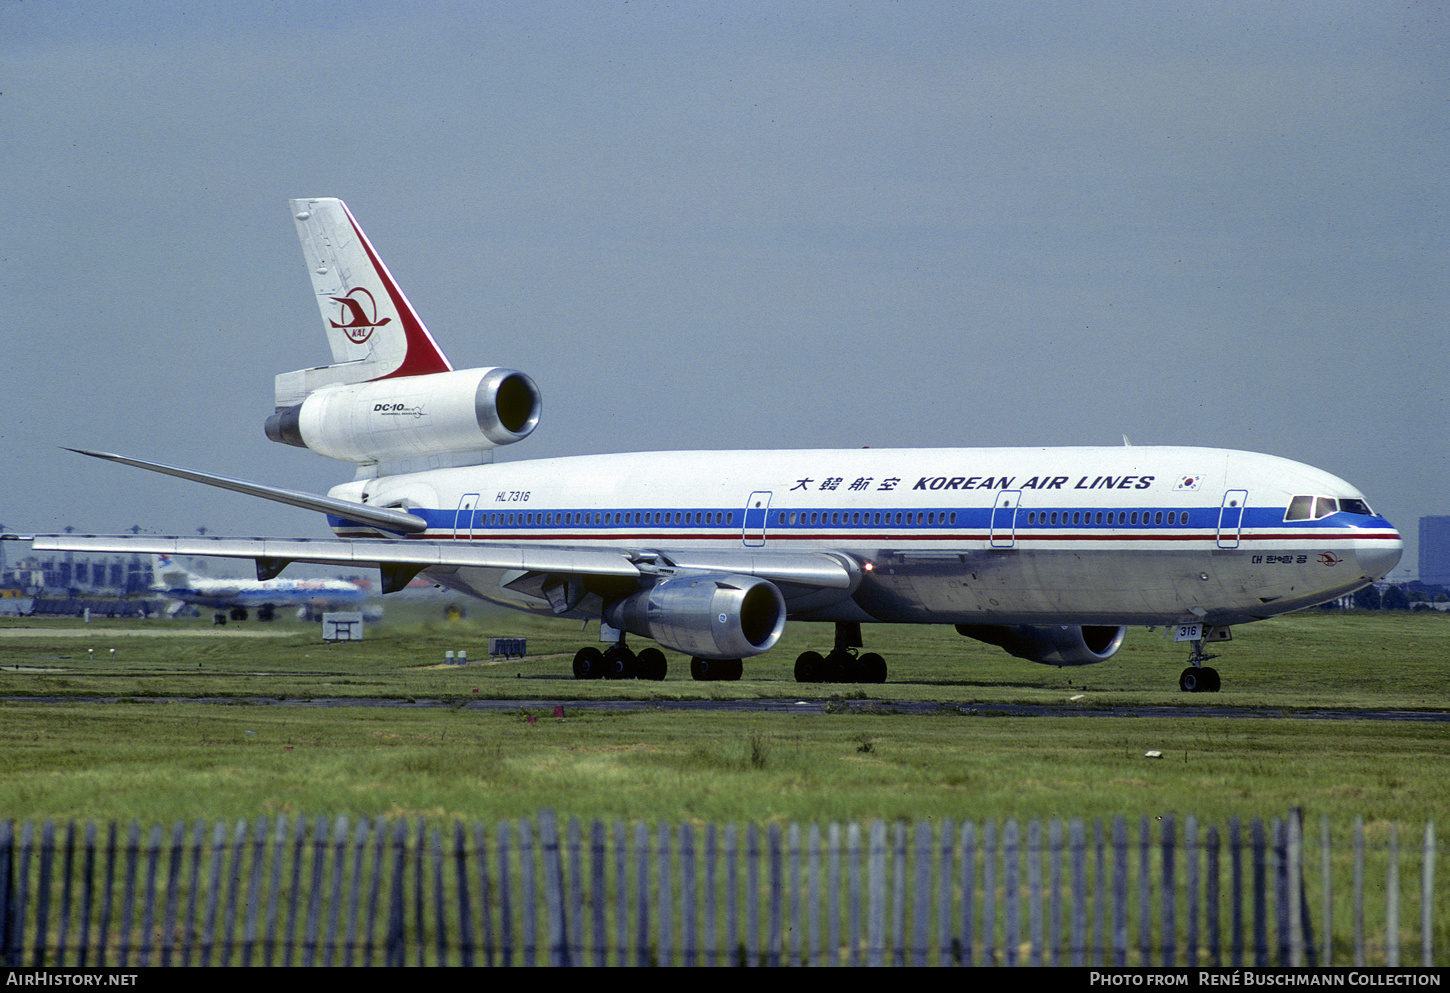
{"x":1127,"y":535}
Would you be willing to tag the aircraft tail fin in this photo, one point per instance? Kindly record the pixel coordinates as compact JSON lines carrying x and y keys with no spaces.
{"x":372,"y":328}
{"x":169,"y":572}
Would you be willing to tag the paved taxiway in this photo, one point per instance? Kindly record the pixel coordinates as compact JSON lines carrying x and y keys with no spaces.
{"x":783,"y":706}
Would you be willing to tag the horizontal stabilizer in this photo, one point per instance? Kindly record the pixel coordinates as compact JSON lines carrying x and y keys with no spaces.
{"x":380,"y":517}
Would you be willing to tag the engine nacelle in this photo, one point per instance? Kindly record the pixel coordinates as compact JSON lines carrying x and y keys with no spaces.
{"x":709,"y":615}
{"x":1062,"y":644}
{"x":446,"y":418}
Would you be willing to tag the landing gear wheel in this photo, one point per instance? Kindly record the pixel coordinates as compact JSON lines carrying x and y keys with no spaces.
{"x":810,"y":667}
{"x":873,"y":668}
{"x":651,"y":664}
{"x":618,"y":663}
{"x":714,"y":669}
{"x":843,"y":667}
{"x":1196,"y":680}
{"x":588,"y":663}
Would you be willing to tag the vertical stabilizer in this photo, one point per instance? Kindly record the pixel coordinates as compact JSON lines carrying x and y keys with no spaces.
{"x":373,"y":330}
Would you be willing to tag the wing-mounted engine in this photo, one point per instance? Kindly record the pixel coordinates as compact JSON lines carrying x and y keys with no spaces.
{"x":1065,"y":644}
{"x":413,"y":422}
{"x":707,"y":615}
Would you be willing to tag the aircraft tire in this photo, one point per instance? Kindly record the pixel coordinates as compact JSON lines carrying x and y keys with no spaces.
{"x":619,"y":663}
{"x":843,"y":668}
{"x":651,"y":664}
{"x":810,"y":667}
{"x":588,"y":663}
{"x":873,"y":668}
{"x":716,"y":669}
{"x":1193,"y":680}
{"x":1211,"y":679}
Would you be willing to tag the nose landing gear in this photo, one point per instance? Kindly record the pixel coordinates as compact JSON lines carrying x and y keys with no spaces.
{"x":1199,"y":678}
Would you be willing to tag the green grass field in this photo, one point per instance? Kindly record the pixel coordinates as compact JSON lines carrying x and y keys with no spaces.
{"x":144,"y":752}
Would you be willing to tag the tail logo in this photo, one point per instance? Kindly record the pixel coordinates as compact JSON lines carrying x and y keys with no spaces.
{"x":360,"y":315}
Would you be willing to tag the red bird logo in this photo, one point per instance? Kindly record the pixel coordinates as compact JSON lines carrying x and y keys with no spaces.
{"x":360,"y":318}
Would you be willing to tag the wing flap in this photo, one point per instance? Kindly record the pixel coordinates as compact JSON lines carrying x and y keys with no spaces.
{"x":823,"y":570}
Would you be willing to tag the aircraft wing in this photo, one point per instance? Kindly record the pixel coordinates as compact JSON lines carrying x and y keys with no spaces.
{"x":400,"y":560}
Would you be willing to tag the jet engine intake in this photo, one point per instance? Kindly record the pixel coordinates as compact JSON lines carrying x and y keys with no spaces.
{"x":463,"y":414}
{"x":1064,"y":644}
{"x":706,"y":615}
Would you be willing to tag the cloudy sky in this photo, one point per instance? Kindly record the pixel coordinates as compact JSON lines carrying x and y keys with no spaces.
{"x":733,"y":225}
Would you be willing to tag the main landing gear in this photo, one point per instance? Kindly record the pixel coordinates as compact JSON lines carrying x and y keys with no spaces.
{"x":1199,"y":678}
{"x":844,"y":664}
{"x":618,"y":662}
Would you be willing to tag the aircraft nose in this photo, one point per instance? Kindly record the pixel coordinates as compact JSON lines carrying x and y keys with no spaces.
{"x":1376,"y":559}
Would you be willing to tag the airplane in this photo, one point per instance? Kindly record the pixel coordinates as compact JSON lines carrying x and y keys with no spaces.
{"x":235,"y":597}
{"x":1047,"y":553}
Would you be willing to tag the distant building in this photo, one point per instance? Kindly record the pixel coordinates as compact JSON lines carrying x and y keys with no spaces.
{"x":1435,"y":551}
{"x":75,"y":573}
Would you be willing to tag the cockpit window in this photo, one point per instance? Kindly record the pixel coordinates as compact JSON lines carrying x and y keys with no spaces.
{"x":1306,"y":508}
{"x":1301,"y":508}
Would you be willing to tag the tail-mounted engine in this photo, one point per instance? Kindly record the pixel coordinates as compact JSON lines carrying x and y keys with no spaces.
{"x":413,"y":422}
{"x":1065,"y":644}
{"x":709,"y":616}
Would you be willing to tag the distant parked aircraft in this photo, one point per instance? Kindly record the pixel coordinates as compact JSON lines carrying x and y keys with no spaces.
{"x":233,"y":598}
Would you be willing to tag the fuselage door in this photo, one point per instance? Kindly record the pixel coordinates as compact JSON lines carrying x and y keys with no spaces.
{"x":1231,"y":518}
{"x":463,"y":523}
{"x":756,"y":509}
{"x":1004,"y":518}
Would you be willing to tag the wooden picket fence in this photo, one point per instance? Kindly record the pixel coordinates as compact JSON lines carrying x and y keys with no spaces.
{"x":535,"y":892}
